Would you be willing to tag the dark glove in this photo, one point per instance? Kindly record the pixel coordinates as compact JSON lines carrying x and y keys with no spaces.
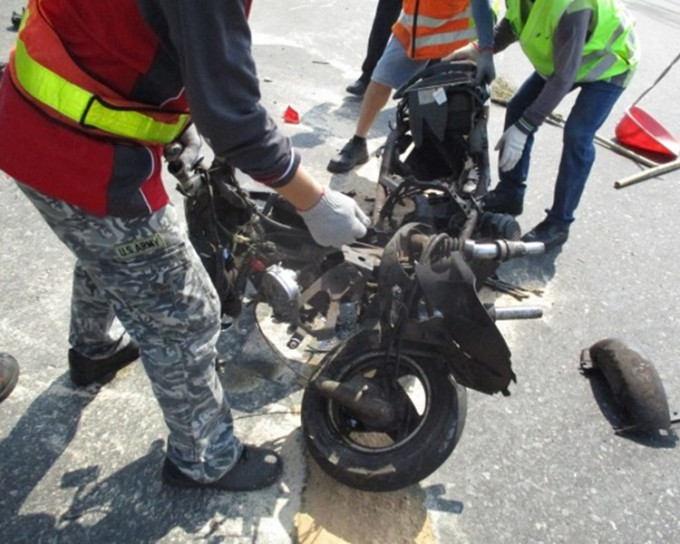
{"x":486,"y":71}
{"x":335,"y":220}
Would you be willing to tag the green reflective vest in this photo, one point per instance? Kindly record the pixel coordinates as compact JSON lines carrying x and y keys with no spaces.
{"x":609,"y":51}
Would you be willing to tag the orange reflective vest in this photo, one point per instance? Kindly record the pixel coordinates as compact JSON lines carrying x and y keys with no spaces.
{"x":431,"y":29}
{"x":43,"y":71}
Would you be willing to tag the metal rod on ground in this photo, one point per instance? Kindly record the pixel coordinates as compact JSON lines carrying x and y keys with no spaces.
{"x":502,"y":91}
{"x":625,"y":152}
{"x":612,"y":146}
{"x":649,"y":173}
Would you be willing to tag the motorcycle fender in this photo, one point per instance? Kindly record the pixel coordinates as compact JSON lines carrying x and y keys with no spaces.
{"x":634,"y":383}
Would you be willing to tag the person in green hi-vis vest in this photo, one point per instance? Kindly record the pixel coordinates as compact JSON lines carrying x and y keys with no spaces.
{"x":584,"y":45}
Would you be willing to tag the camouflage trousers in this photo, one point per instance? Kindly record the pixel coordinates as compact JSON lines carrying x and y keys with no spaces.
{"x":145,"y":272}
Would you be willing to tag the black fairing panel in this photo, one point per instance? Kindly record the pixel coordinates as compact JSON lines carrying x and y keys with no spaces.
{"x":450,"y":288}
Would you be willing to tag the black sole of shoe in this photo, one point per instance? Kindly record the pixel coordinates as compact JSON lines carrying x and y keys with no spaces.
{"x":190,"y":484}
{"x":342,"y":169}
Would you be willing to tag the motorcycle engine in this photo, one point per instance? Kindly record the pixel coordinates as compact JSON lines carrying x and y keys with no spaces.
{"x":280,"y":289}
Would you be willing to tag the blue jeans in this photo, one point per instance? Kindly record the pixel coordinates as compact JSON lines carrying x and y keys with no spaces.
{"x":593,"y":105}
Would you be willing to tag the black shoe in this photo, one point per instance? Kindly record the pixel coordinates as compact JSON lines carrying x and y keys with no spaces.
{"x":358,"y":88}
{"x":353,"y":154}
{"x":550,"y":234}
{"x":256,"y":468}
{"x":497,"y":202}
{"x":85,"y":371}
{"x":9,"y":375}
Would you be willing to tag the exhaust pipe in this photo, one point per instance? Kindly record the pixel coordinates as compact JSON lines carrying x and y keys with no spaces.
{"x":360,"y":397}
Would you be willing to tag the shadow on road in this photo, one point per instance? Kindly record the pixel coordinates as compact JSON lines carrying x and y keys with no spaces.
{"x":532,"y":270}
{"x":129,"y":505}
{"x":612,"y":412}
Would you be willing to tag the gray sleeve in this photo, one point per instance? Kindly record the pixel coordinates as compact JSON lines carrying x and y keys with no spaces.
{"x":212,"y":43}
{"x":483,"y":16}
{"x":568,"y":42}
{"x":503,"y":35}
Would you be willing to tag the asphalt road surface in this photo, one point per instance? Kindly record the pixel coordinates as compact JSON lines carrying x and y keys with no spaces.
{"x":542,"y":465}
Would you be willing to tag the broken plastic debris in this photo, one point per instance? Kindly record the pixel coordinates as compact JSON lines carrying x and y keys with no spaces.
{"x":291,"y":116}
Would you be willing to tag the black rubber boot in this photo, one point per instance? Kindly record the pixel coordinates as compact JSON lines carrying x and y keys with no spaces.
{"x":550,"y":234}
{"x":497,"y":202}
{"x":358,"y":88}
{"x":9,"y":375}
{"x":354,"y":152}
{"x":86,"y":371}
{"x":256,"y":468}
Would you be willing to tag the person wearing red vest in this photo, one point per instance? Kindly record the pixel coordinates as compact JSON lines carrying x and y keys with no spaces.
{"x":425,"y":30}
{"x":92,"y":95}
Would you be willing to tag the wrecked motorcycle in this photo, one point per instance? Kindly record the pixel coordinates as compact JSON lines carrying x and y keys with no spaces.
{"x":395,"y":319}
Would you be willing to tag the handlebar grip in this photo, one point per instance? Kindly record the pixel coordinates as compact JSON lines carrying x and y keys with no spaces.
{"x":515,"y":312}
{"x":188,"y":182}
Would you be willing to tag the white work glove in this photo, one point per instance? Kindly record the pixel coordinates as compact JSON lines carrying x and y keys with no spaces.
{"x":335,"y":219}
{"x":511,"y":146}
{"x":486,"y":71}
{"x":184,"y":153}
{"x":467,"y":52}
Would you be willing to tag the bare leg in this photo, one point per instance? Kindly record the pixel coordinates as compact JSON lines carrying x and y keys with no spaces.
{"x":374,"y":101}
{"x":355,"y":151}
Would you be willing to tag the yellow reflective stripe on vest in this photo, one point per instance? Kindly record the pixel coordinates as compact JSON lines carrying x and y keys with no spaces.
{"x":85,"y":108}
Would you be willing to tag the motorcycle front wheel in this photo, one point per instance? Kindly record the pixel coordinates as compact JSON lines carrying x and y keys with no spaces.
{"x":429,"y":409}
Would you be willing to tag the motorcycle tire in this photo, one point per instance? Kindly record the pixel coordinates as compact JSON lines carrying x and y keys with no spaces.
{"x":364,"y":456}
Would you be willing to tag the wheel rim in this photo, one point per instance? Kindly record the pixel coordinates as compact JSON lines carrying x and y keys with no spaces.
{"x":407,"y":386}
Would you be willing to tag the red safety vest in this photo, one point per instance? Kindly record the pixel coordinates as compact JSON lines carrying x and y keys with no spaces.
{"x":431,"y":29}
{"x":103,"y":175}
{"x":44,"y":72}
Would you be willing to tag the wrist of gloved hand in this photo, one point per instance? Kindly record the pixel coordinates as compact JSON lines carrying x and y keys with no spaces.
{"x":467,"y":52}
{"x":335,"y":219}
{"x":525,"y":125}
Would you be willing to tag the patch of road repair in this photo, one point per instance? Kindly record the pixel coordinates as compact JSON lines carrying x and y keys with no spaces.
{"x":333,"y":513}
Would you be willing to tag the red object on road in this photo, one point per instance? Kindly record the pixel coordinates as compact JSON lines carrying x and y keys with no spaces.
{"x":640,"y":130}
{"x":291,"y":116}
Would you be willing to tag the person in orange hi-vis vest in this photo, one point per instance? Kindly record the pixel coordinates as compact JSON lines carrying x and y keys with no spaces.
{"x":426,"y":30}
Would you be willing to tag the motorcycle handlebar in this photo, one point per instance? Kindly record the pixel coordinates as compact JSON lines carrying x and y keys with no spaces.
{"x":188,"y":181}
{"x":501,"y":250}
{"x":514,"y":312}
